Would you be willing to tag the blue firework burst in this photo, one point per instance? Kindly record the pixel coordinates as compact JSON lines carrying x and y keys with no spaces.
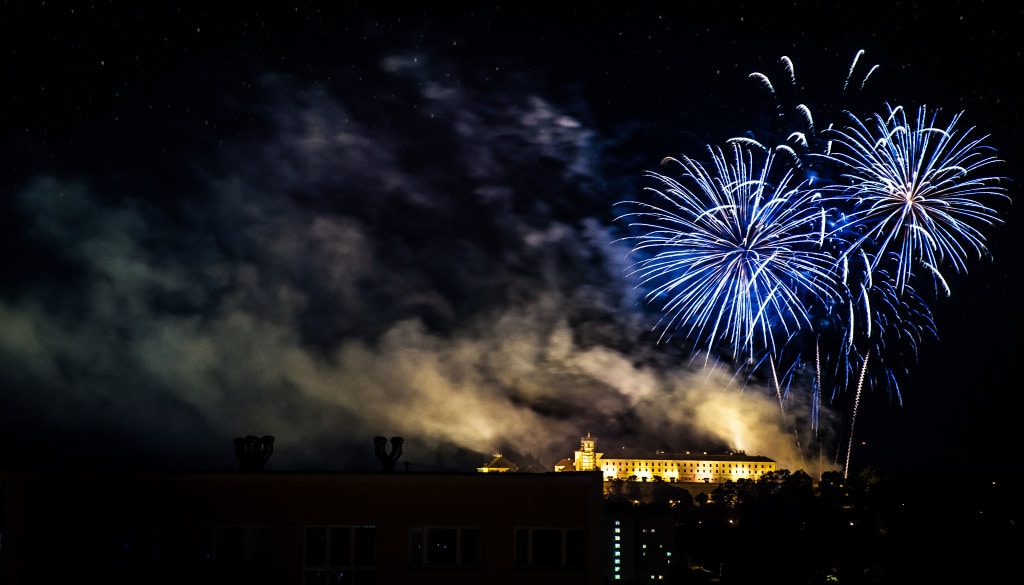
{"x":731,"y":253}
{"x":808,"y":269}
{"x":917,"y":193}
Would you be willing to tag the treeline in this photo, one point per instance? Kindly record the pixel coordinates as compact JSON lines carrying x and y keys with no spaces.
{"x":872,"y":528}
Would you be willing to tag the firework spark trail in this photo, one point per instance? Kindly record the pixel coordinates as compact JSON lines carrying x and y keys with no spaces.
{"x":733,"y":253}
{"x":914,"y":191}
{"x":816,"y":385}
{"x":801,"y":136}
{"x":881,"y":322}
{"x":742,"y":263}
{"x":853,"y":417}
{"x":782,"y":406}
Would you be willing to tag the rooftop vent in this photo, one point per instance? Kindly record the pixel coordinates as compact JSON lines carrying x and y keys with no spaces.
{"x":388,"y":460}
{"x":253,"y":452}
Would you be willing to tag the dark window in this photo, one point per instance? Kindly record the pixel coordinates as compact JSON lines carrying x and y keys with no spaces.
{"x":364,"y":547}
{"x":575,"y":549}
{"x":316,"y":545}
{"x":441,"y":546}
{"x":341,"y":577}
{"x":444,"y":547}
{"x":546,"y":548}
{"x":341,"y":545}
{"x":550,"y":547}
{"x":138,"y":546}
{"x":469,"y":547}
{"x":340,"y":555}
{"x":237,"y":546}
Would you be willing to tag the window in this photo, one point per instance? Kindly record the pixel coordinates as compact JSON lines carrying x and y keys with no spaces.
{"x":135,"y":546}
{"x":342,"y":555}
{"x":444,"y":547}
{"x":236,"y":546}
{"x":550,"y":547}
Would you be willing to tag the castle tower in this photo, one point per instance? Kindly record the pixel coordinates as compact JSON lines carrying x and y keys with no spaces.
{"x":587,"y":459}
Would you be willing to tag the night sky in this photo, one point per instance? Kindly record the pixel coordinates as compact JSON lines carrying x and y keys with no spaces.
{"x":327,"y":224}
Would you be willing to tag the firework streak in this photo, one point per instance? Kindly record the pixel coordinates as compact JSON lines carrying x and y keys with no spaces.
{"x":750,"y":256}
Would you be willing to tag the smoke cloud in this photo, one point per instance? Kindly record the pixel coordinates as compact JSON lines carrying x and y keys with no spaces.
{"x":410,"y":249}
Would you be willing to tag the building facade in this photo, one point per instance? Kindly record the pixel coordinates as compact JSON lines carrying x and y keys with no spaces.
{"x":303,"y":528}
{"x":645,"y":465}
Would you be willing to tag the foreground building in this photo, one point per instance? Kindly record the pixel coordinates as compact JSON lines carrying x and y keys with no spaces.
{"x":645,"y":465}
{"x":303,"y":528}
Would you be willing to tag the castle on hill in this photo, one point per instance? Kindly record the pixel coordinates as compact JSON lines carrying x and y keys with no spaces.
{"x":646,"y":465}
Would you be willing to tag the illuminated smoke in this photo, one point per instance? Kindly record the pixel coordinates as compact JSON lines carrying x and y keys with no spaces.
{"x":366,"y":269}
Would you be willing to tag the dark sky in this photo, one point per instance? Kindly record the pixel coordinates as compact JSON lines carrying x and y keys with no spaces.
{"x":327,"y":224}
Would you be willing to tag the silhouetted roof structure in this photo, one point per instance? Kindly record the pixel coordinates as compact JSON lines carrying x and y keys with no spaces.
{"x":500,"y":463}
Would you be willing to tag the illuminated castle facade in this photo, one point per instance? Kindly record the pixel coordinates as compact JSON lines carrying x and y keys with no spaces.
{"x":643,"y":465}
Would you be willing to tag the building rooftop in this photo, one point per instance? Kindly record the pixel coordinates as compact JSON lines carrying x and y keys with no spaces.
{"x":639,"y":453}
